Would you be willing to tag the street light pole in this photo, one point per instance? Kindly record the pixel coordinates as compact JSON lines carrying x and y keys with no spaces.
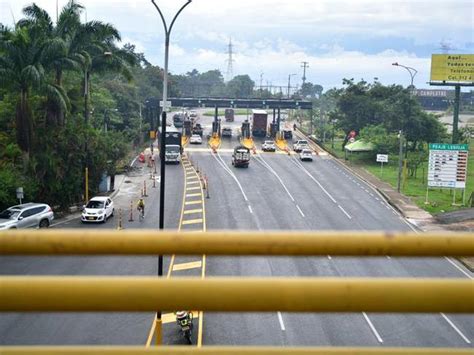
{"x":289,"y":87}
{"x":412,"y":72}
{"x":162,"y":146}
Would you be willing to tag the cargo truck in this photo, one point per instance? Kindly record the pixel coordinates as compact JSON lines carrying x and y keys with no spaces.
{"x":259,"y":123}
{"x":229,"y":115}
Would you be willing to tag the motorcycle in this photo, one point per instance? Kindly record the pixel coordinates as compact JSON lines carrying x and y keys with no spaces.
{"x":185,"y":321}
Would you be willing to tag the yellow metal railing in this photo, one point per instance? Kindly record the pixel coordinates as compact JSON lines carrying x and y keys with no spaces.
{"x":151,"y":242}
{"x":120,"y":294}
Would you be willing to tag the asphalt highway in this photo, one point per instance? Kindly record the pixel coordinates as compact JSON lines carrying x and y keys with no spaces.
{"x":276,"y":192}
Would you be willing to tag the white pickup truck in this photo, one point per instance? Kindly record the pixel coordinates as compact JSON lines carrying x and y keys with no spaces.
{"x":299,"y":145}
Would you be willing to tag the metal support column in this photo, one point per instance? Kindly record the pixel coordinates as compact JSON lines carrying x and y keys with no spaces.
{"x":457,"y":94}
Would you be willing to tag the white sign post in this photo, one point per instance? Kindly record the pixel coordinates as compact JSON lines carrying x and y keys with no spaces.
{"x":447,"y":167}
{"x":382,"y":158}
{"x":19,"y":194}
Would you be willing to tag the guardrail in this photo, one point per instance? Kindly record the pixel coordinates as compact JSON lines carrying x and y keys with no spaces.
{"x":120,"y":294}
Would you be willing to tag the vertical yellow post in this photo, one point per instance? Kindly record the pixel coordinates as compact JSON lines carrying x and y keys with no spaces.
{"x":87,"y":184}
{"x":158,"y":330}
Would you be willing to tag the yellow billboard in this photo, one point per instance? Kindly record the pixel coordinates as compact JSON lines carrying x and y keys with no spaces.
{"x":452,"y":68}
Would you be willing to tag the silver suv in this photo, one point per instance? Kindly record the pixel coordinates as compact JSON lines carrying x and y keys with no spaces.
{"x":27,"y":215}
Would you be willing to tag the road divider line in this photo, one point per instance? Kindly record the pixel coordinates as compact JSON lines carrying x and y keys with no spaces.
{"x":193,"y":188}
{"x":299,"y":209}
{"x":455,"y":328}
{"x":458,"y":267}
{"x":344,"y":211}
{"x":280,"y":319}
{"x":221,"y":162}
{"x":376,"y":333}
{"x":193,"y":195}
{"x":250,"y":209}
{"x":197,"y":202}
{"x":266,"y":165}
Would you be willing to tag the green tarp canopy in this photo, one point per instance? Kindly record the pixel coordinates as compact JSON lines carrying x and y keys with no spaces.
{"x":359,"y":146}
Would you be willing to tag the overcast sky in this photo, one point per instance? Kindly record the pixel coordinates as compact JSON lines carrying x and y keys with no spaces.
{"x":338,"y":38}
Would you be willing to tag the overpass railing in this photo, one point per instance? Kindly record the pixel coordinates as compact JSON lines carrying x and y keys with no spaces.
{"x":236,"y":294}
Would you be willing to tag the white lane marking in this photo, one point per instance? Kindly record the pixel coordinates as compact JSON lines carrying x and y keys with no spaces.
{"x":456,"y":328}
{"x":298,"y":164}
{"x":379,"y":339}
{"x":299,"y":209}
{"x":343,"y":210}
{"x":377,"y":199}
{"x":388,"y":257}
{"x":250,"y":209}
{"x":458,"y":267}
{"x":266,"y":165}
{"x":280,"y":319}
{"x":230,"y":172}
{"x":329,"y":257}
{"x":133,"y":161}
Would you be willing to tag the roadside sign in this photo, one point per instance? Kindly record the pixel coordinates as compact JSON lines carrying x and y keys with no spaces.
{"x":447,"y":166}
{"x":152,"y":134}
{"x":168,"y":103}
{"x":382,"y":158}
{"x":19,"y":193}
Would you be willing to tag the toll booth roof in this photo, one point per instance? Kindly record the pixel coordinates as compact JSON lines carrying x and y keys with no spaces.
{"x":259,"y":112}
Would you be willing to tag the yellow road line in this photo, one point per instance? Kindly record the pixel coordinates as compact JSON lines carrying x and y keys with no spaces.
{"x":193,"y":202}
{"x":152,"y":331}
{"x":193,"y":195}
{"x":187,"y":266}
{"x":193,"y":178}
{"x":193,"y":221}
{"x":193,"y":182}
{"x":197,"y":210}
{"x":193,"y":188}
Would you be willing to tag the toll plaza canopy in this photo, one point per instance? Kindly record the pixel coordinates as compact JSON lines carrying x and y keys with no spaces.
{"x":234,"y":103}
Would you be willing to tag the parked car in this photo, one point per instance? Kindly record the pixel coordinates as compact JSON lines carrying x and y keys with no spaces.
{"x":193,"y":113}
{"x":226,"y":132}
{"x":195,"y":139}
{"x":98,"y":209}
{"x":27,"y":215}
{"x":268,"y":146}
{"x":300,"y":145}
{"x":306,"y":154}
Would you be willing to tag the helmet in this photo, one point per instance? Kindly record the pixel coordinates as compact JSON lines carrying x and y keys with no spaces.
{"x":181,"y":314}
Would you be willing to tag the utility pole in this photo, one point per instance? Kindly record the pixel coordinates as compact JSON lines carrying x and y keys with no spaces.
{"x":261,"y":80}
{"x":304,"y":66}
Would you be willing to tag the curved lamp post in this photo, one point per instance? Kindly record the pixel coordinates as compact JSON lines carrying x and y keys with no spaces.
{"x":412,"y":72}
{"x":162,"y":145}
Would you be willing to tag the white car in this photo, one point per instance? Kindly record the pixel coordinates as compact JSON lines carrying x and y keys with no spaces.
{"x":98,"y":209}
{"x":268,"y":146}
{"x":300,"y":145}
{"x":195,"y":139}
{"x":306,"y":154}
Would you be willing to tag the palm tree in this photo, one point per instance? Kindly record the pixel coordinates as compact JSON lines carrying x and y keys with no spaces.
{"x":20,"y":70}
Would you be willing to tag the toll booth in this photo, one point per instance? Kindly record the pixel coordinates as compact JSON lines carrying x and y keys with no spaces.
{"x":245,"y":129}
{"x":187,"y":128}
{"x":216,"y":127}
{"x":273,"y":129}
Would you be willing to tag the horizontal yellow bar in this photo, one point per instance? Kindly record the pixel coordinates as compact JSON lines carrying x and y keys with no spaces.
{"x":194,"y":177}
{"x":125,"y":294}
{"x":193,"y":188}
{"x":197,"y":210}
{"x":145,"y":242}
{"x":197,"y":202}
{"x":192,"y":221}
{"x":218,"y":350}
{"x":192,"y":182}
{"x":193,"y":195}
{"x":187,"y":266}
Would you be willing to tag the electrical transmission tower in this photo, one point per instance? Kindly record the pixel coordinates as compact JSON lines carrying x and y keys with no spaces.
{"x":304,"y":66}
{"x":230,"y":60}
